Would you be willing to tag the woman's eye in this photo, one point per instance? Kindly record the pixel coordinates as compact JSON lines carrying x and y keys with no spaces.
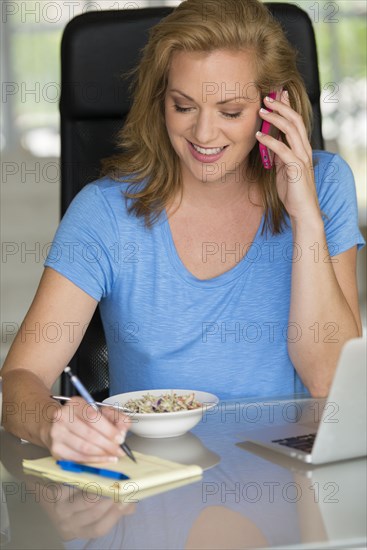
{"x":182,"y":109}
{"x":187,"y":109}
{"x":232,"y":115}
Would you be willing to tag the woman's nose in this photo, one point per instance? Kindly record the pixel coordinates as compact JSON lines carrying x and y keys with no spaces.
{"x":205,"y":130}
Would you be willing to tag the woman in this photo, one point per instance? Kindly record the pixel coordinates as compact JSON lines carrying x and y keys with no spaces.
{"x":215,"y":273}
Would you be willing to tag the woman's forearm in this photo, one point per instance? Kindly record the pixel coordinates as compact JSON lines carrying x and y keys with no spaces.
{"x":320,"y":318}
{"x":28,"y":410}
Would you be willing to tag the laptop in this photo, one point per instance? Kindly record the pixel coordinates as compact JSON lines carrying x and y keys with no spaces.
{"x":340,"y":431}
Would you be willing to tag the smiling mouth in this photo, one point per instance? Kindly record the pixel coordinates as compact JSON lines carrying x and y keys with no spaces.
{"x":208,"y":150}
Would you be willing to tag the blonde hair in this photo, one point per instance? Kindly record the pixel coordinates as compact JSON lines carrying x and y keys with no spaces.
{"x":201,"y":26}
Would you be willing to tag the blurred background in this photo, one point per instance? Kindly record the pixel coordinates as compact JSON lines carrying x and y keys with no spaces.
{"x":30,"y":141}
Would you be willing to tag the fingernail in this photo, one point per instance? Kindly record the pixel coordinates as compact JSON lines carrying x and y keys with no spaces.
{"x":259,"y":134}
{"x":270,"y":99}
{"x":113,"y":459}
{"x":120,"y":438}
{"x":123,"y":435}
{"x":262,"y":110}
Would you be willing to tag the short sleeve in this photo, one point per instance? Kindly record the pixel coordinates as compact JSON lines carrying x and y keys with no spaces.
{"x":84,"y":244}
{"x":338,"y":202}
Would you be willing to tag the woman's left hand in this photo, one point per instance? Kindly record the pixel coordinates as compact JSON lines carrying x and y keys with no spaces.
{"x":293,"y":164}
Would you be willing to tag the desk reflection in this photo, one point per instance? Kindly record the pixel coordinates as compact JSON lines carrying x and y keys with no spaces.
{"x":247,"y":498}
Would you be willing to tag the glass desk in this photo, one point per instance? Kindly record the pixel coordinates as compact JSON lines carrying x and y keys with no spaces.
{"x":247,"y":497}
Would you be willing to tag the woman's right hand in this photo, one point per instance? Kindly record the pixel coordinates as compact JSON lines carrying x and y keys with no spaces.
{"x":34,"y":363}
{"x":80,"y":433}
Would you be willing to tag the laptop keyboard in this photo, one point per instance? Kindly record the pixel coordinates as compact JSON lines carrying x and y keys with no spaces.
{"x":301,"y":442}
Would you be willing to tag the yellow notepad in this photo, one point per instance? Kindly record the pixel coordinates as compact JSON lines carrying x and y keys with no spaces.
{"x":149,"y":475}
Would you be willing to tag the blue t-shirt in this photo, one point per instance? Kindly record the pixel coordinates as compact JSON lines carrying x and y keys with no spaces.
{"x":167,"y":329}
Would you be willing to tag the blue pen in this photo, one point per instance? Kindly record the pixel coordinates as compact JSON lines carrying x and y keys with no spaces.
{"x":89,"y":399}
{"x":71,"y":466}
{"x":81,"y":389}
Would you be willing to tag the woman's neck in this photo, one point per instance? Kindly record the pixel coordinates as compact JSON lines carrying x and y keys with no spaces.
{"x":215,"y":196}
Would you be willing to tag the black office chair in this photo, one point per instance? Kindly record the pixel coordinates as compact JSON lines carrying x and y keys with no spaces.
{"x":97,"y":48}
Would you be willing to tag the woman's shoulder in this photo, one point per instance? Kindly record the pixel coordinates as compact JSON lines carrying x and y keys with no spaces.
{"x":326,"y":160}
{"x":106,"y":190}
{"x":109,"y":186}
{"x":332,"y":172}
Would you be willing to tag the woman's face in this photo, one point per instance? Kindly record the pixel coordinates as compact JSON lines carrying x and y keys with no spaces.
{"x":211,"y":102}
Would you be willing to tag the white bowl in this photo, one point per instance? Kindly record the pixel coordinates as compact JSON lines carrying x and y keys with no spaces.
{"x":170,"y":424}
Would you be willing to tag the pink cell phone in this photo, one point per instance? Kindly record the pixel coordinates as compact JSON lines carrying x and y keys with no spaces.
{"x":267,"y":156}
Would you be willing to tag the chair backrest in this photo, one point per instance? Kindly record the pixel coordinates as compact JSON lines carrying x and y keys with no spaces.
{"x":97,"y":48}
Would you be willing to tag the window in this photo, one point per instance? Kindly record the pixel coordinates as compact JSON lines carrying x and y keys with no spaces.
{"x":31,"y":72}
{"x":340,"y":29}
{"x":32,"y":33}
